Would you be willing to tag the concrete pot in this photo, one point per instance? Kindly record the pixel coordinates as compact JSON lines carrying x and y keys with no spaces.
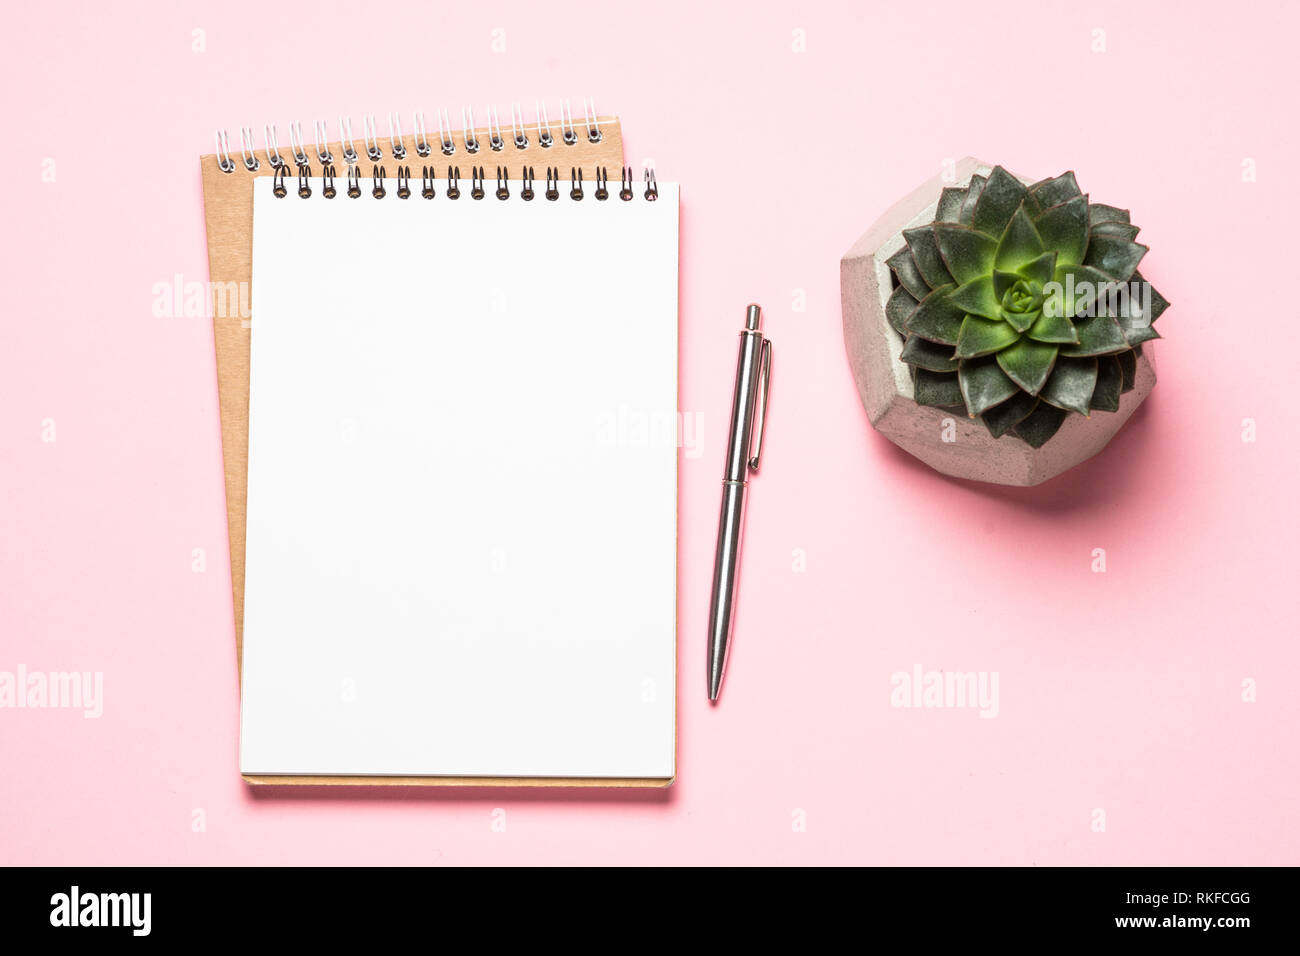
{"x":945,"y":438}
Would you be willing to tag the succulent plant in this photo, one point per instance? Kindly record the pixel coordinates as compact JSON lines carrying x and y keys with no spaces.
{"x":1023,"y":304}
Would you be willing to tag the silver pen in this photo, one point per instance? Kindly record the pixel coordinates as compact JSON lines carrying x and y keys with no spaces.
{"x":744,"y":446}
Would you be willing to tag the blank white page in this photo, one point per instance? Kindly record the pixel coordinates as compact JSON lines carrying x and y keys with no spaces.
{"x":462,"y":485}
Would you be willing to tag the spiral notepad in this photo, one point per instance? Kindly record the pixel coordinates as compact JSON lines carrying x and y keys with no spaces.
{"x":461,"y":494}
{"x":556,"y":140}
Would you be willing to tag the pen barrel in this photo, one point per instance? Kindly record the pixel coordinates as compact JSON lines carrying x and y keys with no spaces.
{"x":726,"y":571}
{"x":742,"y":405}
{"x":731,"y":521}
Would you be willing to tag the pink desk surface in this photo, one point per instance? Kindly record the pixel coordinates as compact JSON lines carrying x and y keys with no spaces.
{"x":1121,"y":734}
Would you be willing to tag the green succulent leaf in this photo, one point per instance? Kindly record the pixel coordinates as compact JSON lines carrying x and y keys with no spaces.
{"x":1040,"y":425}
{"x":1122,"y":229}
{"x":1065,"y":228}
{"x":1001,"y":418}
{"x":1099,"y":212}
{"x":1021,"y":321}
{"x":983,"y":337}
{"x":1003,"y":281}
{"x":1001,"y":197}
{"x":1022,"y":304}
{"x":909,"y":276}
{"x":1053,"y":192}
{"x":1079,"y":288}
{"x":1054,"y":328}
{"x":901,"y":304}
{"x":1020,"y":243}
{"x":983,"y":385}
{"x":1158,"y":302}
{"x":1136,"y":336}
{"x":973,"y":192}
{"x":1071,"y":384}
{"x":936,"y":318}
{"x":936,"y":388}
{"x":1128,"y":308}
{"x":1110,"y":384}
{"x":950,"y":203}
{"x":925,"y":252}
{"x":978,"y":298}
{"x":928,"y":355}
{"x":1128,"y":366}
{"x":1021,"y":300}
{"x":1040,"y":270}
{"x":1028,"y":363}
{"x":968,"y":254}
{"x":1114,"y":255}
{"x":1099,"y":335}
{"x":1139,"y":328}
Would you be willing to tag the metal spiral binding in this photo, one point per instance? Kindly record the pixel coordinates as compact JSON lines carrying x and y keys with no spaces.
{"x":594,"y":135}
{"x":570,"y":132}
{"x":226,"y":164}
{"x":272,"y":148}
{"x":478,"y":182}
{"x":478,"y":187}
{"x":517,"y":127}
{"x":444,"y":134}
{"x":369,"y":133}
{"x":395,"y":137}
{"x":567,"y":132}
{"x":471,"y":140}
{"x":422,"y":147}
{"x":297,"y":146}
{"x":349,"y":144}
{"x":322,"y":151}
{"x":247,"y":150}
{"x":495,"y":139}
{"x":544,"y":136}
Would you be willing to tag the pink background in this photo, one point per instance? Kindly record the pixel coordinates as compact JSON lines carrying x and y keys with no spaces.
{"x":1120,"y":691}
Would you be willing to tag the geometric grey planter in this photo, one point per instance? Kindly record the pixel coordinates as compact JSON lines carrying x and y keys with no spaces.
{"x":944,"y":438}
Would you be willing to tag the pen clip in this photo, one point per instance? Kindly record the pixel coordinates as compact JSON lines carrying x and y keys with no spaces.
{"x":760,"y":404}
